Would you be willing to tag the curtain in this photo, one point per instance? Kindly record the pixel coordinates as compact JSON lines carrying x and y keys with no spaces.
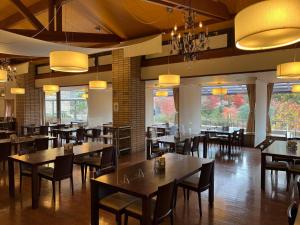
{"x":176,"y":103}
{"x":9,"y":108}
{"x":269,"y":98}
{"x":251,"y":116}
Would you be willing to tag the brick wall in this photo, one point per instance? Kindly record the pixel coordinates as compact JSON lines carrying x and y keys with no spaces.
{"x":129,"y":94}
{"x":29,"y":106}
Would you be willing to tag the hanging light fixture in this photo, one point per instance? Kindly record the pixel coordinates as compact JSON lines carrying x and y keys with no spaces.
{"x":162,"y":93}
{"x":219,"y":91}
{"x":295,"y":88}
{"x":268,"y":24}
{"x":17,"y":91}
{"x":69,"y":61}
{"x":190,"y":42}
{"x":169,"y":80}
{"x":3,"y":75}
{"x":85,"y":95}
{"x":288,"y":70}
{"x":50,"y":88}
{"x":97,"y":84}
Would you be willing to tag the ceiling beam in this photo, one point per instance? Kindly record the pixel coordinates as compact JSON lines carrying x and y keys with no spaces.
{"x":209,"y":8}
{"x":56,"y":36}
{"x":51,"y":11}
{"x":28,"y":14}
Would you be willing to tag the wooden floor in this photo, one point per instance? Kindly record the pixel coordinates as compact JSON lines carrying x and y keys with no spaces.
{"x":238,"y":198}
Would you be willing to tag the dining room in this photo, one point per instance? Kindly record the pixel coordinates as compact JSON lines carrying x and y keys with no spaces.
{"x":149,"y":112}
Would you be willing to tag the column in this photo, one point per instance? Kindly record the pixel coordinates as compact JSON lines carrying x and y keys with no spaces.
{"x":129,"y":97}
{"x":149,"y":107}
{"x":189,"y":108}
{"x":260,"y":111}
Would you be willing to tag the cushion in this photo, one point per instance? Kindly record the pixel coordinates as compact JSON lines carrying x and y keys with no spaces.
{"x":117,"y":201}
{"x":46,"y":171}
{"x":192,"y":181}
{"x":136,"y":207}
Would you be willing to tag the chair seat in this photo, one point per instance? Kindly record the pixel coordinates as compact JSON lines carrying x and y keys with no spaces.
{"x":191,"y":181}
{"x":137,"y":208}
{"x":80,"y":159}
{"x":156,"y":150}
{"x":93,"y":161}
{"x":277,"y":165}
{"x":25,"y":169}
{"x":117,"y":201}
{"x":46,"y":171}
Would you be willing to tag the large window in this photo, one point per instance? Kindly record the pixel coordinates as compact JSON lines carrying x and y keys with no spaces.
{"x":164,"y":108}
{"x":73,"y":106}
{"x":225,"y":110}
{"x":50,"y":108}
{"x":284,"y":109}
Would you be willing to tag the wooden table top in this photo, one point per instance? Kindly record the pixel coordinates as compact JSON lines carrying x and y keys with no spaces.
{"x":47,"y":156}
{"x":20,"y":140}
{"x":279,"y":148}
{"x":66,"y":129}
{"x":230,"y":131}
{"x":8,"y":131}
{"x":142,"y":180}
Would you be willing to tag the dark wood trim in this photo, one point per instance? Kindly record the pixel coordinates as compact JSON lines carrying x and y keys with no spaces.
{"x":211,"y":9}
{"x":51,"y":13}
{"x":27,"y":14}
{"x":93,"y":69}
{"x":58,"y":7}
{"x":57,"y":36}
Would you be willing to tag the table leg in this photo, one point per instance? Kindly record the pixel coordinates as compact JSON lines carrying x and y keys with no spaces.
{"x":67,"y":137}
{"x":11,"y":174}
{"x":146,"y":218}
{"x":212,"y":187}
{"x":34,"y":187}
{"x":229,"y":144}
{"x":94,"y":204}
{"x":263,"y":171}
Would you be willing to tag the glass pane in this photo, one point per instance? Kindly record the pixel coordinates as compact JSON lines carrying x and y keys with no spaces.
{"x":50,"y":108}
{"x":228,"y":110}
{"x":164,"y":109}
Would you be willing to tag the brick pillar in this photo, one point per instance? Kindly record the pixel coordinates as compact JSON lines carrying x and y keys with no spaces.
{"x":129,"y":97}
{"x":29,"y":106}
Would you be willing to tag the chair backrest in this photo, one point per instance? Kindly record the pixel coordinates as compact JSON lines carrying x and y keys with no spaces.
{"x":206,"y":170}
{"x":26,"y":147}
{"x":63,"y":167}
{"x":292,"y":212}
{"x":195,"y":144}
{"x":164,"y":202}
{"x":108,"y":159}
{"x":96,"y":133}
{"x":80,"y":134}
{"x":44,"y":130}
{"x":41,"y":144}
{"x":3,"y":135}
{"x":187,"y":146}
{"x":5,"y":151}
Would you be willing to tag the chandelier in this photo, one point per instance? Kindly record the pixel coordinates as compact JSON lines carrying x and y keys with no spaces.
{"x":7,"y":72}
{"x":190,"y":42}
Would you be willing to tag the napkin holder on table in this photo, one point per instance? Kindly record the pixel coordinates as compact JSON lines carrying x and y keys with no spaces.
{"x":68,"y":148}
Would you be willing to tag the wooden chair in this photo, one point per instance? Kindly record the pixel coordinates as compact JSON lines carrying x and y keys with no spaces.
{"x":292,"y":213}
{"x":63,"y":169}
{"x":195,"y":145}
{"x":93,"y":135}
{"x":25,"y":170}
{"x":154,"y":149}
{"x":106,"y":162}
{"x":161,"y":208}
{"x":198,"y":184}
{"x":41,"y":144}
{"x":44,"y":130}
{"x":80,"y":134}
{"x":275,"y":165}
{"x":185,"y":149}
{"x":5,"y":151}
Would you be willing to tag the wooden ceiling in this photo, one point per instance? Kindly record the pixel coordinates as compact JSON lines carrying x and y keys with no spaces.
{"x":110,"y":21}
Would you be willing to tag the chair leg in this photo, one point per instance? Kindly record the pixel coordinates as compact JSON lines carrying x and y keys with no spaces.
{"x":53,"y":190}
{"x":118,"y":219}
{"x":184,"y":196}
{"x":288,"y":180}
{"x":126,"y":219}
{"x":82,"y":173}
{"x":199,"y":202}
{"x":21,"y":182}
{"x":172,"y":218}
{"x":72,"y":184}
{"x":59,"y":186}
{"x":198,"y":153}
{"x":175,"y":197}
{"x":188,"y":194}
{"x":40,"y":185}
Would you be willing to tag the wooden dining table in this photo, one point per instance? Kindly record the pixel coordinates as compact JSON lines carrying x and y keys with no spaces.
{"x":142,"y":181}
{"x":277,"y":148}
{"x":66,"y":132}
{"x":36,"y":159}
